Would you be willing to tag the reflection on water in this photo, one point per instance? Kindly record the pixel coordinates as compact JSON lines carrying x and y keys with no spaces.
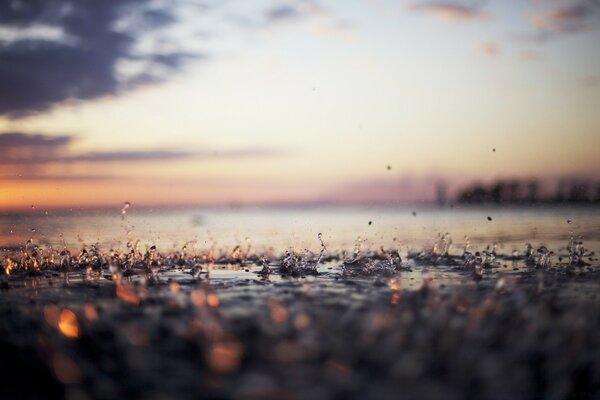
{"x":281,"y":228}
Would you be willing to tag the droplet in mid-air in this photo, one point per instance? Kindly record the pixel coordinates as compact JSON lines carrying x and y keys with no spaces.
{"x":126,"y":206}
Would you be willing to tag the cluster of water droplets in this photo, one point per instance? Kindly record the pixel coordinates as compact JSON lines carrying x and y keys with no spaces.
{"x":480,"y":259}
{"x":381,"y":263}
{"x":147,"y":262}
{"x":441,"y":247}
{"x":304,"y":263}
{"x":576,"y":251}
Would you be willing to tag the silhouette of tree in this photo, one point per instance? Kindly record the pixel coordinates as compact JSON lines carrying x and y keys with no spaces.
{"x":516,"y":191}
{"x":532,"y":191}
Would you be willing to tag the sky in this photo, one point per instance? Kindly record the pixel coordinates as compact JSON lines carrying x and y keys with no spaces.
{"x":191,"y":102}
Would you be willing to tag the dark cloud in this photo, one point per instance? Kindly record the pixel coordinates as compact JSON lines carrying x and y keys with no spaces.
{"x":281,"y":13}
{"x":12,"y":140}
{"x":97,"y":35}
{"x":27,"y":154}
{"x":158,"y":18}
{"x":18,"y":148}
{"x":575,"y":17}
{"x":296,"y":10}
{"x":450,"y":11}
{"x":128,"y":156}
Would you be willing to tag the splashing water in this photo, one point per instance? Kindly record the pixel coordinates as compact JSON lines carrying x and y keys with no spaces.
{"x":543,"y":257}
{"x":576,"y":251}
{"x":467,"y":245}
{"x":441,"y":247}
{"x":303,"y":264}
{"x":265,"y":272}
{"x":322,"y":252}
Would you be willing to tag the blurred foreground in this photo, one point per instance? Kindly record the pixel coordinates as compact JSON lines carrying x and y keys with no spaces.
{"x":323,"y":324}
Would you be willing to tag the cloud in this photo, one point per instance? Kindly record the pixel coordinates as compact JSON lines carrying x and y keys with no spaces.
{"x":11,"y":140}
{"x":282,"y":13}
{"x":27,"y":155}
{"x":575,"y":17}
{"x":453,"y":12}
{"x":296,"y":10}
{"x":489,"y":49}
{"x":62,"y":50}
{"x":18,"y":148}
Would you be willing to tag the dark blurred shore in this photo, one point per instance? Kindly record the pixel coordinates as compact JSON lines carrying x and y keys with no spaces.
{"x":431,"y":326}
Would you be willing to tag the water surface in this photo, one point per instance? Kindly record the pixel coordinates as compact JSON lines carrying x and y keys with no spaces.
{"x":283,"y":227}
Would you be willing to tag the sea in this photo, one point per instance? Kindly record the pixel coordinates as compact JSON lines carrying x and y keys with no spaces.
{"x":281,"y":228}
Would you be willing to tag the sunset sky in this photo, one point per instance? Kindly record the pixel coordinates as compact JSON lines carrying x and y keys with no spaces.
{"x":220,"y":102}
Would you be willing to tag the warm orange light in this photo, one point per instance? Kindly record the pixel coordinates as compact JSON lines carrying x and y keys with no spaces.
{"x":127,"y":293}
{"x":175,"y":288}
{"x":90,"y":312}
{"x":278,"y":313}
{"x":301,"y":321}
{"x":213,"y":300}
{"x":198,"y":298}
{"x":225,"y":357}
{"x":67,"y":324}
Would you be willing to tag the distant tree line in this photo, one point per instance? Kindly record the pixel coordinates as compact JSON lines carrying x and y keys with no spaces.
{"x":529,"y":191}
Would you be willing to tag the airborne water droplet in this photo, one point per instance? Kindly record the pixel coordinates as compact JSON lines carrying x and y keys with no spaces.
{"x":126,"y":206}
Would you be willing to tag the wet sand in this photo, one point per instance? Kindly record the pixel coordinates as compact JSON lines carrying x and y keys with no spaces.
{"x":371,"y":325}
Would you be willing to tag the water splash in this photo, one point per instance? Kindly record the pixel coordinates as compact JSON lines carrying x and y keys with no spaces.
{"x":543,"y":257}
{"x":265,"y":272}
{"x":304,"y":263}
{"x":577,"y":251}
{"x":441,"y":248}
{"x":322,"y":252}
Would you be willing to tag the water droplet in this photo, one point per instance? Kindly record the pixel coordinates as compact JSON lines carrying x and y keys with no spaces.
{"x":489,"y":218}
{"x":126,"y":206}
